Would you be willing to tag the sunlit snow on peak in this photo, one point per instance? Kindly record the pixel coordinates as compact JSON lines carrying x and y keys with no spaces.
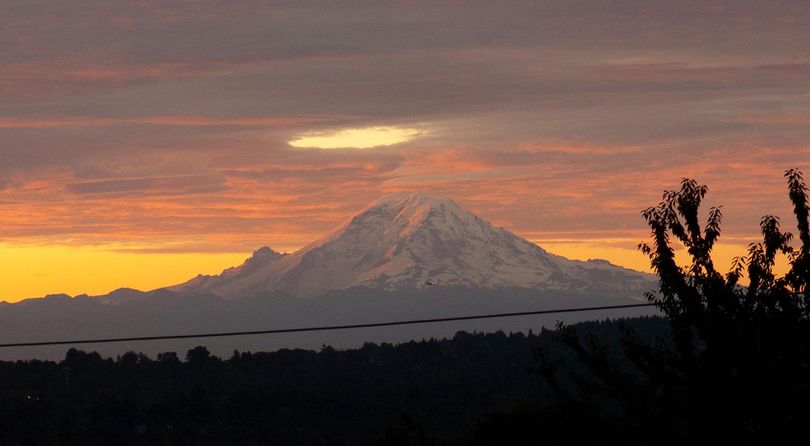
{"x":356,"y":138}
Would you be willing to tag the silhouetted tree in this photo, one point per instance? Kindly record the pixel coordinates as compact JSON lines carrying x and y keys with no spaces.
{"x":168,"y":358}
{"x":198,"y":356}
{"x":736,"y":363}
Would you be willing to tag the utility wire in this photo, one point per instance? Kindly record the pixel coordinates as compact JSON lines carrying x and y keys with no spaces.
{"x":325,"y":327}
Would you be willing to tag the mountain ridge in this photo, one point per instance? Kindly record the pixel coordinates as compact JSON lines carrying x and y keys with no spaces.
{"x":411,"y":241}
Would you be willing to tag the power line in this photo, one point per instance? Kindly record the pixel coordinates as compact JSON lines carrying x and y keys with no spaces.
{"x":324,"y":327}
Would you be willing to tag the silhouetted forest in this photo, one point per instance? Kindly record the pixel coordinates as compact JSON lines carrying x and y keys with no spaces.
{"x":417,"y":392}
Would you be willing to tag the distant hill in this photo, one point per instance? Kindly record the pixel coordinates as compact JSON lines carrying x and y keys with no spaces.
{"x":127,"y":313}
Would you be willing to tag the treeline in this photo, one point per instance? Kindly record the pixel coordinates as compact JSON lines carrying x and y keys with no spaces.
{"x":432,"y":391}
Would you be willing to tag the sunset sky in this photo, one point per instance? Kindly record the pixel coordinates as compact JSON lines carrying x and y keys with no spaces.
{"x":143,"y":142}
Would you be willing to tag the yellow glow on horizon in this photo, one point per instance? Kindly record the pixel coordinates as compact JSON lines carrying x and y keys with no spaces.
{"x":617,"y":251}
{"x":623,"y":252}
{"x":35,"y":271}
{"x":357,"y":138}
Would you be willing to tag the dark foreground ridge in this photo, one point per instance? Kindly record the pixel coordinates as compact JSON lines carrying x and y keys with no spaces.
{"x":429,"y":390}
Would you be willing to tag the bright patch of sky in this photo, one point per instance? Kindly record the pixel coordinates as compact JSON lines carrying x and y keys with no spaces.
{"x":358,"y":138}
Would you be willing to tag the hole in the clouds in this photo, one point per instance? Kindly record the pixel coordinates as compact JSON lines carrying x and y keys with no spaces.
{"x":358,"y":138}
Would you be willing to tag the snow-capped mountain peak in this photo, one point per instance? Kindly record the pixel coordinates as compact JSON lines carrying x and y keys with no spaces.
{"x":407,"y":241}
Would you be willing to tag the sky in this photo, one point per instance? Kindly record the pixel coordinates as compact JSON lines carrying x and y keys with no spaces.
{"x":144,"y":142}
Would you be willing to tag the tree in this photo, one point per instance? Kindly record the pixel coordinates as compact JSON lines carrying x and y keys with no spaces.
{"x":737,"y":360}
{"x":198,"y":356}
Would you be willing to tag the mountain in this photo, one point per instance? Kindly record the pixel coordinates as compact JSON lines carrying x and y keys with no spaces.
{"x":410,"y":241}
{"x":404,"y":257}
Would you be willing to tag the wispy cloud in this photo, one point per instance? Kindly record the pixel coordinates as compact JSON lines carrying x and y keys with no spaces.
{"x":176,"y":121}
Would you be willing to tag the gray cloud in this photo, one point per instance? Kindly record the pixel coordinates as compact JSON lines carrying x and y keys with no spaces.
{"x":191,"y":104}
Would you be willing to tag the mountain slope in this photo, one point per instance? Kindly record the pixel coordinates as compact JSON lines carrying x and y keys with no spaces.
{"x":411,"y":241}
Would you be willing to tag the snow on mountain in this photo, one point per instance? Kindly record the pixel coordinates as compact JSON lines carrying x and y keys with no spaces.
{"x":411,"y":241}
